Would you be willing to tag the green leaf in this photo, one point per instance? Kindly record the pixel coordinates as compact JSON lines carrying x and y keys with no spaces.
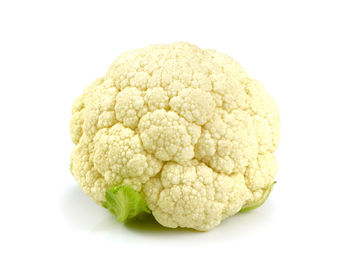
{"x":125,"y":203}
{"x":260,"y":202}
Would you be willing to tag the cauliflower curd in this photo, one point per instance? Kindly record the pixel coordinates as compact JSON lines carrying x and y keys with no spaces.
{"x":185,"y":127}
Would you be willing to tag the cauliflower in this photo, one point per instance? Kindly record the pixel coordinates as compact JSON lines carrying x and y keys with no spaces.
{"x":178,"y":131}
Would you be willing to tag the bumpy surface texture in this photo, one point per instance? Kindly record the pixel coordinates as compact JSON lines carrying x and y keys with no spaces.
{"x":185,"y":126}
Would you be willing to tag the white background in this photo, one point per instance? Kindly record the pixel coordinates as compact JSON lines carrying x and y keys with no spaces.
{"x":50,"y":50}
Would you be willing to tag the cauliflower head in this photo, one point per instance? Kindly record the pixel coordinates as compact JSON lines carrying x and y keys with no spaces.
{"x":185,"y":127}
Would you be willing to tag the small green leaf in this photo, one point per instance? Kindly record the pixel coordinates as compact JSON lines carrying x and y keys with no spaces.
{"x":260,"y":202}
{"x":125,"y":203}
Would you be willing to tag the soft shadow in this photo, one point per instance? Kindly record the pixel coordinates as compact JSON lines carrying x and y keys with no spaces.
{"x":144,"y":225}
{"x":147,"y":223}
{"x":82,"y":213}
